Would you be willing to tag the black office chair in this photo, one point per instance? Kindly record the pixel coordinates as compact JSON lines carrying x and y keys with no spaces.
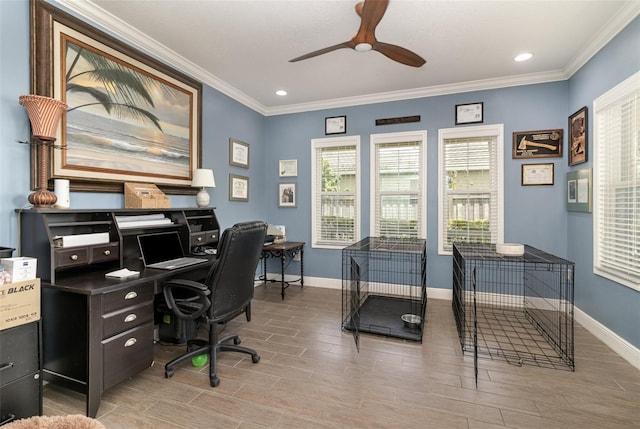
{"x":226,"y":294}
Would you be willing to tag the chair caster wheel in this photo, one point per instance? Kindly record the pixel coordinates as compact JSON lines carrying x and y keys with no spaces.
{"x":168,"y":373}
{"x":215,"y":381}
{"x":255,"y":358}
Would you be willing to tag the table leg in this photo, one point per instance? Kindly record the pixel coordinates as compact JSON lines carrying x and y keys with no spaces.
{"x":301,"y":267}
{"x":282,"y":258}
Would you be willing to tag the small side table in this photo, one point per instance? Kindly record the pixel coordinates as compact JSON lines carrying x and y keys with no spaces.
{"x":282,"y":251}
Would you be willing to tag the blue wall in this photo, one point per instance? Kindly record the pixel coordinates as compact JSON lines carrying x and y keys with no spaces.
{"x":535,"y":215}
{"x":615,"y":306}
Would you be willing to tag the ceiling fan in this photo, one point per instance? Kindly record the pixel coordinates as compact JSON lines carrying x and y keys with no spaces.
{"x":371,"y":12}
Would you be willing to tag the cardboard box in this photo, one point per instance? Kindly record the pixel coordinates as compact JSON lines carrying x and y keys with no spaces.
{"x":19,"y":303}
{"x":20,"y":268}
{"x":144,"y":196}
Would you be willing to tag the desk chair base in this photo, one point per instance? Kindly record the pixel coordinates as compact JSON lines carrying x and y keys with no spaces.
{"x":199,"y":347}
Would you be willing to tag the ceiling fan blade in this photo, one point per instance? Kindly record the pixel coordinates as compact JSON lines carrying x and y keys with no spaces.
{"x":323,"y":51}
{"x":371,"y":12}
{"x":399,"y":54}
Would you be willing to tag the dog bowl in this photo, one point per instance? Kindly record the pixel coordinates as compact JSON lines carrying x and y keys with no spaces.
{"x":510,"y":249}
{"x":411,"y":320}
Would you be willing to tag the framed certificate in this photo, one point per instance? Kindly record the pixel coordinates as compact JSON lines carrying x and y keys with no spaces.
{"x":288,"y":167}
{"x":335,"y":125}
{"x":537,"y":174}
{"x":471,"y":113}
{"x":238,"y":153}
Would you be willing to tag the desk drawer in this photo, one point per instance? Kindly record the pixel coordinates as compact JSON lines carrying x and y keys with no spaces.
{"x":18,"y":352}
{"x":204,"y":237}
{"x":127,"y":297}
{"x":72,"y":257}
{"x":21,"y":398}
{"x":130,"y":317}
{"x":126,"y":354}
{"x":106,"y":252}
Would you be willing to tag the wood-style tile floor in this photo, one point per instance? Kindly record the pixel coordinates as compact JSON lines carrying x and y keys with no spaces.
{"x":311,"y":376}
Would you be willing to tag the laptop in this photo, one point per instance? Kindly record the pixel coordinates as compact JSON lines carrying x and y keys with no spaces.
{"x":163,"y":251}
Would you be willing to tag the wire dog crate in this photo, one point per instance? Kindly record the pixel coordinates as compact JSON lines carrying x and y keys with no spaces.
{"x":384,"y":287}
{"x":514,"y":308}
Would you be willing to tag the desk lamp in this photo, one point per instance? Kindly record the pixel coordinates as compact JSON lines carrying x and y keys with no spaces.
{"x":44,"y":114}
{"x":203,"y":178}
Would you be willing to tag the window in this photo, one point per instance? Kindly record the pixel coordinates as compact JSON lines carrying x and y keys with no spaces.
{"x":335,"y":202}
{"x":398,"y":188}
{"x":470,"y":190}
{"x":616,"y":226}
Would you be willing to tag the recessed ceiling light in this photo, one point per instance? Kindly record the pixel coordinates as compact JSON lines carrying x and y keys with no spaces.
{"x":523,"y":57}
{"x":281,"y":92}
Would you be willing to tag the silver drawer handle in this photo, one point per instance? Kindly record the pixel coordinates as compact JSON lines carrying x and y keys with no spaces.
{"x":6,"y":366}
{"x":73,"y":257}
{"x":130,"y":342}
{"x":131,"y":295}
{"x":199,"y":239}
{"x":107,"y":252}
{"x":130,"y":318}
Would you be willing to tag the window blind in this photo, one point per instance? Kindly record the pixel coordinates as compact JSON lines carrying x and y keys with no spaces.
{"x":617,"y":184}
{"x":399,"y":177}
{"x":335,"y":194}
{"x":469,"y":191}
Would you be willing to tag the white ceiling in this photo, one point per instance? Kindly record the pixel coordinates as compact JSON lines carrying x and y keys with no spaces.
{"x":242,"y":47}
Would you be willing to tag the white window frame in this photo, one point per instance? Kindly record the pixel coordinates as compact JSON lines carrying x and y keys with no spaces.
{"x":620,"y":273}
{"x":399,"y":137}
{"x":495,"y":130}
{"x":315,"y":228}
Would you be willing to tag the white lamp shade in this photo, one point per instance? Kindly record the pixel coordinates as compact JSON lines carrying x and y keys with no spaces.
{"x":203,"y":178}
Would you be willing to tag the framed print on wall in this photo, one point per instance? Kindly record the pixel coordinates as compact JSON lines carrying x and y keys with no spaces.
{"x":335,"y":125}
{"x":579,"y":190}
{"x":287,"y":195}
{"x":129,"y":117}
{"x":578,"y":137}
{"x":288,"y":167}
{"x":537,"y":144}
{"x":238,"y":188}
{"x":537,"y":174}
{"x":238,"y":153}
{"x":470,"y":113}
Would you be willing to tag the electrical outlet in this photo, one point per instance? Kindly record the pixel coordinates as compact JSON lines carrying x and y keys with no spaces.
{"x":297,"y":257}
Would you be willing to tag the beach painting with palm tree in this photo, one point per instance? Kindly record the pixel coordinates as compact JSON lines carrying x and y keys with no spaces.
{"x":124,"y":121}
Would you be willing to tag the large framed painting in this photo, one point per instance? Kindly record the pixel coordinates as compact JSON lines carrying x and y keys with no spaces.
{"x":129,"y":118}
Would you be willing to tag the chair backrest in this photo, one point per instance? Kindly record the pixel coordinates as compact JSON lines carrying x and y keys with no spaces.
{"x":231,"y":279}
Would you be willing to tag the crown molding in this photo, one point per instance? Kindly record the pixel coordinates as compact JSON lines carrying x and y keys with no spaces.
{"x":118,"y":28}
{"x":626,"y":14}
{"x":430,"y":91}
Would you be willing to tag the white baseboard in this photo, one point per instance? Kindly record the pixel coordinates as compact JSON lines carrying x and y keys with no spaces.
{"x":618,"y":344}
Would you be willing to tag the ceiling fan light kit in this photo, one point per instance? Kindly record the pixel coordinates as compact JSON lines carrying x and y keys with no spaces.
{"x":370,"y":12}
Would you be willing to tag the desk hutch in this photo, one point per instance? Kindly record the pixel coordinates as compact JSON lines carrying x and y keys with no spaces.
{"x":98,"y":332}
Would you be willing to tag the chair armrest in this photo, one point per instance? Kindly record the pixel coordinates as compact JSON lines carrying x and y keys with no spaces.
{"x":194,"y":306}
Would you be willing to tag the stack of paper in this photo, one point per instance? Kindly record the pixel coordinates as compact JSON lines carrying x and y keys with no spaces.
{"x":141,"y":221}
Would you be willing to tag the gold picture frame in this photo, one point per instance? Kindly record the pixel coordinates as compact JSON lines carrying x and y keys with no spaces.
{"x":111,"y":132}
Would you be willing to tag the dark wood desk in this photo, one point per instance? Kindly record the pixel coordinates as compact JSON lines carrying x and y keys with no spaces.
{"x":98,"y":332}
{"x":282,"y":251}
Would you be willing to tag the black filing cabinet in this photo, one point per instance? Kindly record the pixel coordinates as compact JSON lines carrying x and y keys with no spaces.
{"x":20,"y":378}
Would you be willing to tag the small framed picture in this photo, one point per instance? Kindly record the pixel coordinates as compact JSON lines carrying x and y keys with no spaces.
{"x":537,"y":174}
{"x":471,"y":113}
{"x":578,"y":137}
{"x":537,"y":144}
{"x":288,"y":167}
{"x":238,"y":188}
{"x":238,"y":153}
{"x":287,"y":195}
{"x":579,"y":190}
{"x":335,"y":125}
